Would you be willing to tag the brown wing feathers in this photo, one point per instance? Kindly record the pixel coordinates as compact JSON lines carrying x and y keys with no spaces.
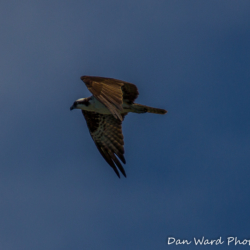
{"x":107,"y":91}
{"x":111,"y":92}
{"x":106,"y":132}
{"x":130,"y":92}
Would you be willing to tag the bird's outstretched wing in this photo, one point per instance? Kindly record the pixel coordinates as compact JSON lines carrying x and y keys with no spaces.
{"x":111,"y":92}
{"x":106,"y":131}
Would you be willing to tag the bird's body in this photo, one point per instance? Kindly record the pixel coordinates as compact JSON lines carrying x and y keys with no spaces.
{"x":104,"y":112}
{"x":94,"y":105}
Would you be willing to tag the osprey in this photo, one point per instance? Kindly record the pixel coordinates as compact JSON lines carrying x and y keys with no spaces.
{"x":104,"y":112}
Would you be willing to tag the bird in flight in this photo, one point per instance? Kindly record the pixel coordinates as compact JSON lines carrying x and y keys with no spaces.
{"x":104,"y":112}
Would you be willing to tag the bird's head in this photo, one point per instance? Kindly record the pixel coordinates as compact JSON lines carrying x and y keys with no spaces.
{"x":81,"y":103}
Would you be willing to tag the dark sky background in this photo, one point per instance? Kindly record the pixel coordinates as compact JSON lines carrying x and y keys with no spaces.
{"x":187,"y":172}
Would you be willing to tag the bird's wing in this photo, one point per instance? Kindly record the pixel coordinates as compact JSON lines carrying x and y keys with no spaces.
{"x":111,"y":92}
{"x":106,"y":131}
{"x":130,"y":92}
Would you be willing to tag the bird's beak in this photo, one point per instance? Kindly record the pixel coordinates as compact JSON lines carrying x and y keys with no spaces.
{"x":72,"y":107}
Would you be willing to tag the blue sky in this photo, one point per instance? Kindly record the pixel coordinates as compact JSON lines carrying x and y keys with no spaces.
{"x":187,"y":172}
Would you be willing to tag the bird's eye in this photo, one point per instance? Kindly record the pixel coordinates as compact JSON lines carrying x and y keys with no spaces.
{"x":75,"y":104}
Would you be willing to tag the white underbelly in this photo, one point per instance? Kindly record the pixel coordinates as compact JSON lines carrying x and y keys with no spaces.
{"x":99,"y":107}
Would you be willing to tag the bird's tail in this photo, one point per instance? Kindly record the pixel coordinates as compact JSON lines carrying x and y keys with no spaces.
{"x":138,"y":108}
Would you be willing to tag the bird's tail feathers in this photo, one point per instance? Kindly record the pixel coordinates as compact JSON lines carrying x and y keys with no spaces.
{"x":138,"y":108}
